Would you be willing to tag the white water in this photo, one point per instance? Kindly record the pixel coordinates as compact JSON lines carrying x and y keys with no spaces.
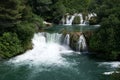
{"x":67,"y":40}
{"x":82,"y":43}
{"x":70,"y":18}
{"x":91,"y":15}
{"x":47,"y":50}
{"x":111,"y":72}
{"x":111,"y":64}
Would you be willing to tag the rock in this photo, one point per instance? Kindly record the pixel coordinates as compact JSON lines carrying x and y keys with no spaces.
{"x":47,"y":23}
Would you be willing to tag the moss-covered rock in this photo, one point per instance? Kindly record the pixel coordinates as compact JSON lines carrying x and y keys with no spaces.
{"x":76,"y":20}
{"x":74,"y":37}
{"x":93,"y":21}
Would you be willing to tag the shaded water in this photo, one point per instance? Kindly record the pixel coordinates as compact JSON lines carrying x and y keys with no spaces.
{"x":51,"y":60}
{"x":72,"y":28}
{"x":75,"y":67}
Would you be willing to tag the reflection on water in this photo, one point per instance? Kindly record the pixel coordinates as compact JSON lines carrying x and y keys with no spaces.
{"x":72,"y":28}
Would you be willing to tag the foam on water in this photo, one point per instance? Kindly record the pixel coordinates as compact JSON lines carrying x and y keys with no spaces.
{"x":111,"y":72}
{"x":110,"y":64}
{"x":44,"y":52}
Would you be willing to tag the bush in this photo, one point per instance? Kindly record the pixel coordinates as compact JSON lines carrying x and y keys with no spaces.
{"x":106,"y":39}
{"x":25,"y":33}
{"x":10,"y":45}
{"x":38,"y":21}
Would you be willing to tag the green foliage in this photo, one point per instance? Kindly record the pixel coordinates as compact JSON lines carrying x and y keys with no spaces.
{"x":17,"y":26}
{"x":76,"y":20}
{"x":38,"y":21}
{"x":106,"y":39}
{"x":76,"y":5}
{"x":53,"y":10}
{"x":93,"y":21}
{"x":10,"y":45}
{"x":115,"y":76}
{"x":10,"y":14}
{"x":40,"y":7}
{"x":25,"y":32}
{"x":59,"y":10}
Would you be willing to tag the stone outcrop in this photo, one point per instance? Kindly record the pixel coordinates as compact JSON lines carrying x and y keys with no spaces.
{"x":47,"y":23}
{"x":74,"y":40}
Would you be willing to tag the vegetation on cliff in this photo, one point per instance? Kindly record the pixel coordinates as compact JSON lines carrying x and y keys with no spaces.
{"x":17,"y":26}
{"x":106,"y":40}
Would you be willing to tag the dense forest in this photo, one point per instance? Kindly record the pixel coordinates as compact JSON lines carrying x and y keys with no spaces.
{"x":106,"y":40}
{"x":17,"y":26}
{"x":20,"y":19}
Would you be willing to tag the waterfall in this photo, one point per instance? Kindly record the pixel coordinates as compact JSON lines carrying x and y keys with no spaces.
{"x":82,"y":43}
{"x":67,"y":40}
{"x":69,"y":20}
{"x":53,"y":37}
{"x":47,"y":50}
{"x":91,"y":15}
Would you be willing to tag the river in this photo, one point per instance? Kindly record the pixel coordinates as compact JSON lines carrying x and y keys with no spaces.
{"x":50,"y":59}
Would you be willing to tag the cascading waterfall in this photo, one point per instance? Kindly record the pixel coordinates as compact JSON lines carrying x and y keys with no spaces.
{"x":91,"y":15}
{"x":70,"y":18}
{"x":54,"y":37}
{"x":82,"y":43}
{"x":67,"y":40}
{"x":47,"y":50}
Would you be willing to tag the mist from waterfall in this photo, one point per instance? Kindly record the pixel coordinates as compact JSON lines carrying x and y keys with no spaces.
{"x":47,"y":50}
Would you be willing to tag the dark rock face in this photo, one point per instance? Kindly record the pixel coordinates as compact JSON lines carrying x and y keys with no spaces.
{"x":74,"y":37}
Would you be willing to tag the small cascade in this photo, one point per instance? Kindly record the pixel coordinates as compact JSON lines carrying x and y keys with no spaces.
{"x":68,"y":20}
{"x":91,"y":15}
{"x":67,"y":39}
{"x":82,"y":43}
{"x":54,"y":37}
{"x":47,"y":50}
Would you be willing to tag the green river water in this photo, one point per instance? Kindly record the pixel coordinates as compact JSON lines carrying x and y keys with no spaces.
{"x":54,"y":61}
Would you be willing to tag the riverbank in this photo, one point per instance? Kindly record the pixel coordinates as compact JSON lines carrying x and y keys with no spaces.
{"x":53,"y":59}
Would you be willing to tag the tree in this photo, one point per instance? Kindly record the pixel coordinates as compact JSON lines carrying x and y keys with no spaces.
{"x":10,"y":14}
{"x":10,"y":45}
{"x":106,"y":39}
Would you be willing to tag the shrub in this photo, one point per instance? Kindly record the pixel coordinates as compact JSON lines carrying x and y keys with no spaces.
{"x":25,"y":33}
{"x":10,"y":45}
